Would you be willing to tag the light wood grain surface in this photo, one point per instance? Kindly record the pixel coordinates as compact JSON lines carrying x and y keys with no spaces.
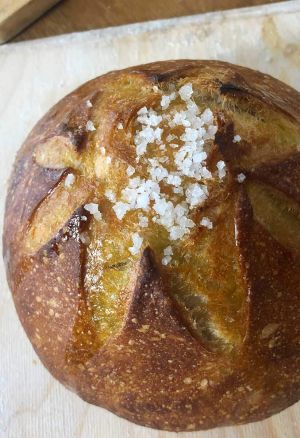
{"x":78,"y":15}
{"x":33,"y":76}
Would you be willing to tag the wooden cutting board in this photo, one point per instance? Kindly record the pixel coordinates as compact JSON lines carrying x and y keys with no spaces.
{"x":15,"y":15}
{"x":33,"y":76}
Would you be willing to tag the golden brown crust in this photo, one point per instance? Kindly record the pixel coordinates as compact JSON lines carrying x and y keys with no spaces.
{"x":154,"y":370}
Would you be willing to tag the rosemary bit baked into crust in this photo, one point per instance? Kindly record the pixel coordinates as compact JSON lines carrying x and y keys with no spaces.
{"x":152,"y":244}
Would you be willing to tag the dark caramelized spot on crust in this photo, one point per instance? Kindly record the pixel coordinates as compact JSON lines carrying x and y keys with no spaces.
{"x":236,"y":85}
{"x":75,"y":125}
{"x":224,"y":139}
{"x":231,"y":88}
{"x":171,"y":75}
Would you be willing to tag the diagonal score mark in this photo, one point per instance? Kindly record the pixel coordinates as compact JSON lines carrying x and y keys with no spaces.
{"x":277,"y":213}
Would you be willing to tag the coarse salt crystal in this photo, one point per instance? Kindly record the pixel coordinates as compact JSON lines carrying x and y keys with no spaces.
{"x":173,"y":180}
{"x":142,"y":111}
{"x":70,"y":178}
{"x":205,"y":173}
{"x":168,"y":251}
{"x":141,"y":148}
{"x":197,"y":157}
{"x":142,"y":201}
{"x":90,"y":126}
{"x":206,"y":222}
{"x":165,"y":102}
{"x":130,"y":170}
{"x":161,"y":206}
{"x":110,"y":195}
{"x":170,"y":137}
{"x":221,"y":166}
{"x":178,"y":190}
{"x":89,"y":104}
{"x":93,"y":209}
{"x":207,"y":116}
{"x":158,"y":173}
{"x":237,"y":139}
{"x":185,"y":222}
{"x":177,"y":232}
{"x":241,"y":177}
{"x":193,"y":109}
{"x":148,"y":118}
{"x":196,"y":194}
{"x":143,"y":221}
{"x":190,"y":134}
{"x":180,"y":118}
{"x":120,"y":126}
{"x":166,"y":260}
{"x":210,"y":133}
{"x":186,"y":91}
{"x":137,"y":243}
{"x":135,"y":182}
{"x":120,"y":208}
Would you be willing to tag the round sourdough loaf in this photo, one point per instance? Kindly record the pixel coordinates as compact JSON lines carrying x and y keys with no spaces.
{"x":152,"y":243}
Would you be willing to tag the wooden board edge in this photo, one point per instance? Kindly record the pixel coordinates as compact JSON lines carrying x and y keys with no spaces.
{"x":20,"y":18}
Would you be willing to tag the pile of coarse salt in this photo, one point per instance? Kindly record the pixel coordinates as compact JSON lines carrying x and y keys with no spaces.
{"x":181,"y":172}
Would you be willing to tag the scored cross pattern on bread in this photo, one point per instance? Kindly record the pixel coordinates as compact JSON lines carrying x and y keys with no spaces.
{"x":149,"y":340}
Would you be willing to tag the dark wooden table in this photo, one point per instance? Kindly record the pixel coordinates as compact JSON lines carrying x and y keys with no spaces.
{"x":78,"y":15}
